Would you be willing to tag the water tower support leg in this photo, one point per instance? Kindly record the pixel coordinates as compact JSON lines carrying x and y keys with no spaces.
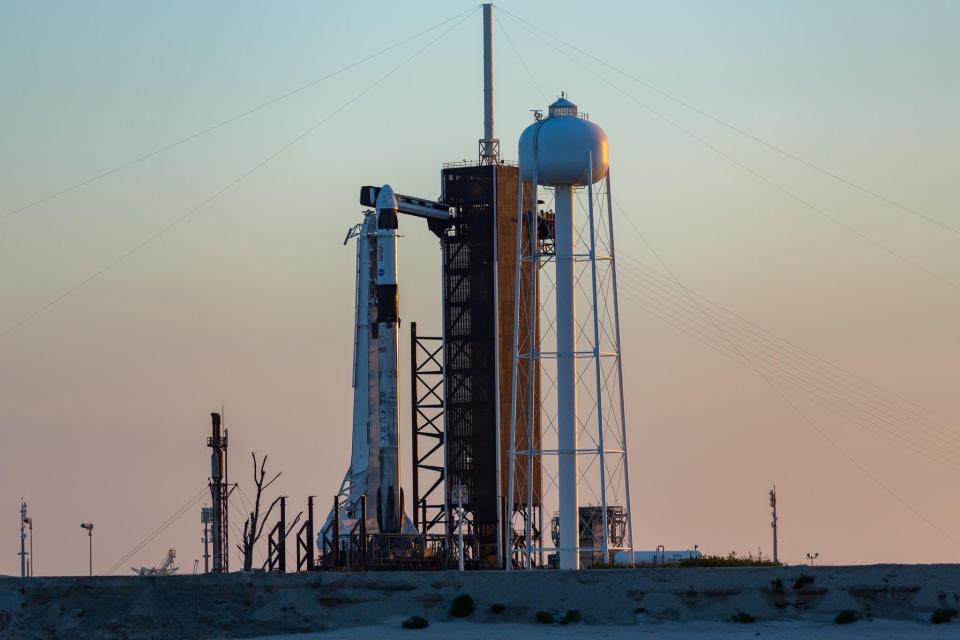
{"x":566,"y":380}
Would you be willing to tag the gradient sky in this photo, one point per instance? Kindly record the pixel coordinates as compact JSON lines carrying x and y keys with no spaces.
{"x":104,"y":396}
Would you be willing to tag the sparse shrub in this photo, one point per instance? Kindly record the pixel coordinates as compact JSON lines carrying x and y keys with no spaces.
{"x":943,"y":616}
{"x":846,"y":617}
{"x":802,"y":582}
{"x":609,"y":565}
{"x":743,"y":618}
{"x":497,"y":608}
{"x":732,"y":560}
{"x":544,"y":617}
{"x":777,"y":586}
{"x":415,"y":622}
{"x":463,"y":606}
{"x":570,"y":617}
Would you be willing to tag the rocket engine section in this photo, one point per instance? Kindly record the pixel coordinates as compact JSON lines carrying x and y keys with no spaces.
{"x":389,"y":499}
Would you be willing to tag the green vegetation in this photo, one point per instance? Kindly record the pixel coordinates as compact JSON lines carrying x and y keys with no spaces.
{"x":743,"y":618}
{"x":846,"y":617}
{"x":497,"y":608}
{"x":415,"y":622}
{"x":802,"y":582}
{"x":570,"y":617}
{"x":463,"y":606}
{"x":943,"y":616}
{"x":544,"y":617}
{"x":731,"y":560}
{"x":777,"y":586}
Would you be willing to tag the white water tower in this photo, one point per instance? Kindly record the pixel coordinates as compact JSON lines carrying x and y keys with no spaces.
{"x":567,"y":374}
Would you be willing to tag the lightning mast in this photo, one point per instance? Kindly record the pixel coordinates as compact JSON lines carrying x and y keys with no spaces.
{"x":489,"y":146}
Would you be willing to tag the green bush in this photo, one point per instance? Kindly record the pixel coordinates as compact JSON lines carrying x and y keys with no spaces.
{"x":497,"y":608}
{"x":777,"y":586}
{"x":415,"y":622}
{"x":743,"y":618}
{"x":942,"y":616}
{"x":846,"y":617}
{"x":462,"y":606}
{"x":570,"y":617}
{"x":544,"y":617}
{"x":802,"y":582}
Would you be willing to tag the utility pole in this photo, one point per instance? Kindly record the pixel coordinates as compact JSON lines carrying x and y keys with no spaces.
{"x":89,"y":527}
{"x":773,"y":522}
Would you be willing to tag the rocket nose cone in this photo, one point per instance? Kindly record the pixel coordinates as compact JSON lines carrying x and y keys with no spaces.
{"x":386,"y":199}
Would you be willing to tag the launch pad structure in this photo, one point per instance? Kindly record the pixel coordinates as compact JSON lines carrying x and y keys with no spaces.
{"x":477,"y":390}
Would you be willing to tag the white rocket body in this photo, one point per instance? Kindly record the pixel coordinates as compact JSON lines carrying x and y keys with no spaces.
{"x":364,"y":474}
{"x":374,"y":462}
{"x":389,"y":500}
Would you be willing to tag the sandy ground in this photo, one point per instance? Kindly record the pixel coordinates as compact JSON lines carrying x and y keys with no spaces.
{"x":874,"y":630}
{"x":896,"y":601}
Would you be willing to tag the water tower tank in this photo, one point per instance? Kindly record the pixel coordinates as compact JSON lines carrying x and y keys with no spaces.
{"x":561,"y":147}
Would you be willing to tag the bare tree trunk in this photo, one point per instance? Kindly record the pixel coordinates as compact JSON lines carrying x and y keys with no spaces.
{"x":253,"y":527}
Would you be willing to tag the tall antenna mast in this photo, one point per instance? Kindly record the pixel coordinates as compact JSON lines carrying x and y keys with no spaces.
{"x":489,"y":145}
{"x":219,"y":491}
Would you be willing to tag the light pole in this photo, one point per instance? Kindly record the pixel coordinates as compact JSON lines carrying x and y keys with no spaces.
{"x":812,"y":556}
{"x":89,"y":527}
{"x":206,"y":518}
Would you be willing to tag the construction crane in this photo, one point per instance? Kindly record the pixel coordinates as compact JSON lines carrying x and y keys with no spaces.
{"x":166,"y":567}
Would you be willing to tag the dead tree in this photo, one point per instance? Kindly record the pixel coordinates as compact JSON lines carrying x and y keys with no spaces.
{"x":292,"y":525}
{"x":253,"y":527}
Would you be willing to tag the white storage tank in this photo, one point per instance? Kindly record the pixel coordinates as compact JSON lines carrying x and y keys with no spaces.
{"x":560,"y":148}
